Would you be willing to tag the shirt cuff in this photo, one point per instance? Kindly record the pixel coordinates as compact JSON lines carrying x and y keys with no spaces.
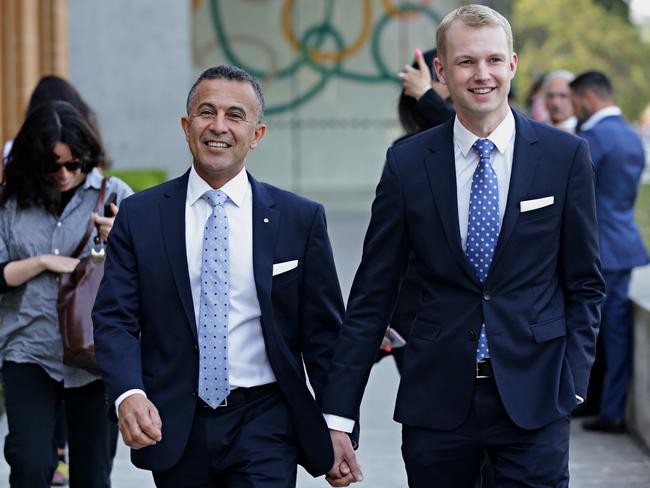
{"x":127,"y":393}
{"x":335,"y":422}
{"x":580,"y":399}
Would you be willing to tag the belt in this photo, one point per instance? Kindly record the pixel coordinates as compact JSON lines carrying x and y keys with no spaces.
{"x":237,"y":396}
{"x":484,"y":369}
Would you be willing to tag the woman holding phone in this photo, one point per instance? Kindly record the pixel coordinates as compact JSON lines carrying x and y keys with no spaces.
{"x":51,"y":187}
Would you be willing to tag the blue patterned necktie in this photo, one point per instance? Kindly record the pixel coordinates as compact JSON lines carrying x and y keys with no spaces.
{"x":215,"y":302}
{"x":483,"y":223}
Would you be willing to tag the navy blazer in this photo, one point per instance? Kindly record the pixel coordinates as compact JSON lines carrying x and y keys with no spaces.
{"x":145,"y":330}
{"x":540,"y":302}
{"x":619,"y":159}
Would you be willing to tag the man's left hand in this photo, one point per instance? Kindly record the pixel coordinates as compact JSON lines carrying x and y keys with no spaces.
{"x":345,"y":469}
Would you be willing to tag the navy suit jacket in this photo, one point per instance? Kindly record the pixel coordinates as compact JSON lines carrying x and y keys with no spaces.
{"x":145,"y":330}
{"x":619,"y":160}
{"x":540,"y":302}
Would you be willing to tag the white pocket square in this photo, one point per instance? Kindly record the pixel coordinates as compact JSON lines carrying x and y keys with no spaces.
{"x":279,"y":268}
{"x":528,"y":205}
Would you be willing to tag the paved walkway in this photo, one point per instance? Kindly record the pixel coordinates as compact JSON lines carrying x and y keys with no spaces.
{"x":597,"y":461}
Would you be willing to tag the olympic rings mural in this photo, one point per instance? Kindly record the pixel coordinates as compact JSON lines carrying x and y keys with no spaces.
{"x":308,"y":45}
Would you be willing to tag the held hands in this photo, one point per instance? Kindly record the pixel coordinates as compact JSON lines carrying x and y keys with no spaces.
{"x":139,"y":422}
{"x":345,"y":469}
{"x":105,"y":223}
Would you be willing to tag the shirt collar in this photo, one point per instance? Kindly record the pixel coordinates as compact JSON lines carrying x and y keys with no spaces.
{"x":93,"y":180}
{"x":610,"y":111}
{"x":569,"y":124}
{"x":501,"y":136}
{"x":235,"y":189}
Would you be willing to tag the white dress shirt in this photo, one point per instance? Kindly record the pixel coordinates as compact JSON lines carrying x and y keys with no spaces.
{"x":248,"y":362}
{"x":466,"y":158}
{"x":596,"y":117}
{"x":569,"y":124}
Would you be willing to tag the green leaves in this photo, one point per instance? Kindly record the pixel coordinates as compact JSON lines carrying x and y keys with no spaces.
{"x":581,"y":35}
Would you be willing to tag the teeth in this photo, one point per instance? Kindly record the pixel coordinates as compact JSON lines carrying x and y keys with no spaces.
{"x":481,"y":91}
{"x":217,"y":144}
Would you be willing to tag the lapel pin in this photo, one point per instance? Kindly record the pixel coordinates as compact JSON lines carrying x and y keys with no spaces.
{"x":266,"y":220}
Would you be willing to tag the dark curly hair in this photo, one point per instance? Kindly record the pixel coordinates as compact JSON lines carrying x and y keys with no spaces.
{"x":52,"y":88}
{"x":27,"y":177}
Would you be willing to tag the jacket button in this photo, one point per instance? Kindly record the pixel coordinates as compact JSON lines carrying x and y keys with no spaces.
{"x":473,"y":335}
{"x":194,"y":392}
{"x":486,"y":296}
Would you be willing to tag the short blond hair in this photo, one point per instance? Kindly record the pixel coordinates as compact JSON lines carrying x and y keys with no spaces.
{"x":473,"y":16}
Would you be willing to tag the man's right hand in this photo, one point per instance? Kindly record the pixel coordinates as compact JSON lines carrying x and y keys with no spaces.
{"x":139,"y":422}
{"x":345,"y":469}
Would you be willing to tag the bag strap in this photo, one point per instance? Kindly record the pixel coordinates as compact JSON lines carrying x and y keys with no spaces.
{"x":100,"y":203}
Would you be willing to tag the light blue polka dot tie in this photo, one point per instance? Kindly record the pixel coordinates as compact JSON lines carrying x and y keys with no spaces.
{"x":483,"y":223}
{"x":215,"y":302}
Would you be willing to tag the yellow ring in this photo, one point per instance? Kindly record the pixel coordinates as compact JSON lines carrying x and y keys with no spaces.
{"x":315,"y":54}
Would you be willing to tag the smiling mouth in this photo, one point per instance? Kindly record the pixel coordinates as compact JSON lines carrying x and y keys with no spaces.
{"x":217,"y":144}
{"x":481,"y":91}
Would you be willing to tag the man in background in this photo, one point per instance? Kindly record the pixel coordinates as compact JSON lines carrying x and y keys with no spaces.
{"x":619,"y":160}
{"x":557,"y":97}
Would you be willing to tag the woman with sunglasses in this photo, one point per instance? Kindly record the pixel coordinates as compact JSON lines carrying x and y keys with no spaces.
{"x":52,"y":185}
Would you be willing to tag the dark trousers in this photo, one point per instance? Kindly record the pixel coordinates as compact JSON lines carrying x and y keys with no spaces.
{"x":33,"y":400}
{"x":251,"y":444}
{"x":520,"y":458}
{"x":616,"y":334}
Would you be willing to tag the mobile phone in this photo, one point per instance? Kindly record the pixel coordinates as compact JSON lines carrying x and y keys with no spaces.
{"x":108,"y":212}
{"x":392,"y":340}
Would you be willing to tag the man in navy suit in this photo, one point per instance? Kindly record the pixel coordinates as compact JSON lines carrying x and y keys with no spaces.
{"x":216,"y":289}
{"x":619,"y":159}
{"x":499,"y":213}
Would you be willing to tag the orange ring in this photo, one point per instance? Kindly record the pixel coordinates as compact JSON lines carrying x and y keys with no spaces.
{"x":395,"y":11}
{"x":317,"y":55}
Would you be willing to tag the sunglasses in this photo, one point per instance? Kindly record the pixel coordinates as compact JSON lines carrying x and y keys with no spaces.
{"x":71,"y":166}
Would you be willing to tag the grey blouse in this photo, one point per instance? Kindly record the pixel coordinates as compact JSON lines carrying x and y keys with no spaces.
{"x":29,"y":330}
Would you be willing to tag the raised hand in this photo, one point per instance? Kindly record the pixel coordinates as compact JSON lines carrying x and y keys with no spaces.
{"x":416,"y":82}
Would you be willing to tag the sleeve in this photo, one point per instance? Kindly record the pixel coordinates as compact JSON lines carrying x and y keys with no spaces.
{"x":433,"y":108}
{"x":115,"y":315}
{"x":374,"y":290}
{"x":4,"y":287}
{"x":580,"y":274}
{"x":119,"y":188}
{"x":321,"y":304}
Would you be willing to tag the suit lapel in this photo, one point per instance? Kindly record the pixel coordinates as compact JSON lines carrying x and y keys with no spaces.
{"x":441,"y":171}
{"x":524,"y":162}
{"x":172,"y":216}
{"x":265,"y":227}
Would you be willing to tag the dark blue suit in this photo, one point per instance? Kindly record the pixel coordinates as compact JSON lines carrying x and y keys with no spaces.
{"x":619,"y":160}
{"x":540,"y":302}
{"x":145,"y":330}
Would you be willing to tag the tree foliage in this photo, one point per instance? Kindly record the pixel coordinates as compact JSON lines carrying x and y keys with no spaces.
{"x":581,"y":35}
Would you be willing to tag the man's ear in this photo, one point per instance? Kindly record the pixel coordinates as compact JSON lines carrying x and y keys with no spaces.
{"x":260,"y":130}
{"x":440,"y":70}
{"x":185,"y":124}
{"x":514,"y":60}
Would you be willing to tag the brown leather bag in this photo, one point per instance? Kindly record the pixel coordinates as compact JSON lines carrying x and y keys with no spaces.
{"x":77,"y":292}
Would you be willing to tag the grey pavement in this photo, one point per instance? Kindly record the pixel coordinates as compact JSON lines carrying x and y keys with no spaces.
{"x":596,"y":460}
